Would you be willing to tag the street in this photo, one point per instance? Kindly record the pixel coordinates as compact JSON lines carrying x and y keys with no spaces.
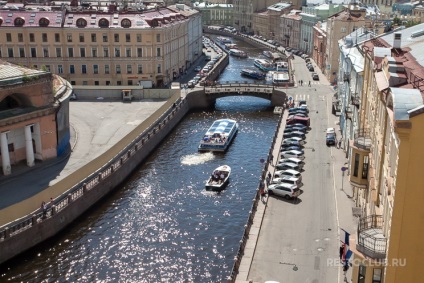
{"x":299,"y":239}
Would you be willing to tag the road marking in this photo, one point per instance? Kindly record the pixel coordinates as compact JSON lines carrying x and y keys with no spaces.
{"x":335,"y":192}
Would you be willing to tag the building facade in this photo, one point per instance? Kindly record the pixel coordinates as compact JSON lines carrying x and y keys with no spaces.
{"x":105,"y":48}
{"x":215,"y":14}
{"x":320,"y":44}
{"x":267,"y":23}
{"x":289,"y":35}
{"x":386,"y":160}
{"x":243,"y":12}
{"x":34,"y":107}
{"x":339,"y":26}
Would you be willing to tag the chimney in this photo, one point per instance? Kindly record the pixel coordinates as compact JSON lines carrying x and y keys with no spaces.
{"x":398,"y":40}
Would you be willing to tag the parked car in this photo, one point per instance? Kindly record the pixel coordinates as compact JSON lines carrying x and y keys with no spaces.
{"x":287,"y":166}
{"x":294,"y":140}
{"x":290,"y":173}
{"x":197,"y":68}
{"x":292,"y":153}
{"x":299,"y":112}
{"x":304,"y":107}
{"x":315,"y":77}
{"x":330,"y":139}
{"x":294,"y":160}
{"x":286,"y":147}
{"x":302,"y":102}
{"x":298,"y":127}
{"x":287,"y":180}
{"x":311,"y":69}
{"x":284,"y":190}
{"x":294,"y":134}
{"x":291,"y":116}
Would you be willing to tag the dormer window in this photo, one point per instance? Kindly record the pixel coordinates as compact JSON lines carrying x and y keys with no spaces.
{"x":19,"y":21}
{"x":81,"y":23}
{"x":103,"y":23}
{"x":44,"y":22}
{"x":155,"y":23}
{"x":125,"y":23}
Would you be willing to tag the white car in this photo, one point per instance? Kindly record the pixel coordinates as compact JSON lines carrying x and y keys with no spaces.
{"x":331,"y":131}
{"x":289,"y":172}
{"x":296,"y":139}
{"x":288,"y":180}
{"x":292,"y":153}
{"x":284,"y":190}
{"x":293,"y":160}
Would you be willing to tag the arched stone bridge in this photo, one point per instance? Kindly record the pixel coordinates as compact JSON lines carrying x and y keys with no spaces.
{"x":205,"y":97}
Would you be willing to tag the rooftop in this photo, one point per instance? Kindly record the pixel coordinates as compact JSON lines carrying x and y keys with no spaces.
{"x":10,"y":72}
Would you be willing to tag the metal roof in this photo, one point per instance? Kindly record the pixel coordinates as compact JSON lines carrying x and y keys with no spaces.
{"x":405,"y":100}
{"x":11,"y":71}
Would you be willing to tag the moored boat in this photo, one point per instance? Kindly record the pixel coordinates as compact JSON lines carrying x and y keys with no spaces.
{"x":219,"y":136}
{"x":267,"y":54}
{"x":253,"y":74}
{"x":280,"y":78}
{"x":229,"y":46}
{"x":238,"y":53}
{"x":264,"y":65}
{"x":219,"y":179}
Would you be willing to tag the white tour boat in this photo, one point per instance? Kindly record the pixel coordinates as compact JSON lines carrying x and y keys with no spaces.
{"x":219,"y":135}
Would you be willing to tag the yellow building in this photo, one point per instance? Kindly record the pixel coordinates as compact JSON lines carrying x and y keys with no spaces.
{"x":387,"y":159}
{"x":104,"y":46}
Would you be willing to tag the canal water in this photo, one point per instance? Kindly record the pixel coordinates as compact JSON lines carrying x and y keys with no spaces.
{"x":161,"y":225}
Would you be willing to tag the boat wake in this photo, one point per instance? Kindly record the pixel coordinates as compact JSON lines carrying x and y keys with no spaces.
{"x":197,"y":158}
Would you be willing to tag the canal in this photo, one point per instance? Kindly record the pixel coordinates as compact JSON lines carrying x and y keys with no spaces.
{"x":161,"y":225}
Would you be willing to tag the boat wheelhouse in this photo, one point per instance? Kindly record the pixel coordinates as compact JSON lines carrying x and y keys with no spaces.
{"x":219,"y":136}
{"x":267,"y":54}
{"x":280,"y":78}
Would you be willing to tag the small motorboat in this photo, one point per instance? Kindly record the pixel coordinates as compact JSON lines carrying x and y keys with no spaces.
{"x":219,"y":179}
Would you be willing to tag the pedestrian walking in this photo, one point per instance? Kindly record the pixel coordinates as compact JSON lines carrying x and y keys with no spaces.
{"x":341,"y":251}
{"x":301,"y":82}
{"x":262,"y":193}
{"x":44,"y":209}
{"x":268,"y":180}
{"x":340,"y":143}
{"x":309,"y":83}
{"x":271,"y":159}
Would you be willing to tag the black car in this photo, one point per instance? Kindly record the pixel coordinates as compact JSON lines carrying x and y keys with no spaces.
{"x":297,"y":126}
{"x":330,"y":139}
{"x":294,"y":134}
{"x":295,"y":129}
{"x":311,"y":69}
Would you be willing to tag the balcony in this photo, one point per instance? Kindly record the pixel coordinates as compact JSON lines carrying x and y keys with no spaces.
{"x":354,"y":100}
{"x":371,"y":240}
{"x":362,"y":139}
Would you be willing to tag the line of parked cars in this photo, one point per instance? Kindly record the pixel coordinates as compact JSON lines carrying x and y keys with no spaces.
{"x":287,"y":178}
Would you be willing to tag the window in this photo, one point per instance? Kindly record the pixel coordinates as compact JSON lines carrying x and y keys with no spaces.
{"x":117,"y":52}
{"x":82,"y":51}
{"x":107,"y":69}
{"x":81,"y":37}
{"x":118,"y":69}
{"x":69,"y":37}
{"x":129,"y":69}
{"x":84,"y":83}
{"x":31,"y":37}
{"x":73,"y":83}
{"x":57,"y":37}
{"x":376,"y":275}
{"x":118,"y":83}
{"x":44,"y":37}
{"x":93,"y":52}
{"x":70,"y":52}
{"x":343,"y":29}
{"x":159,"y":69}
{"x":48,"y":68}
{"x":158,"y":38}
{"x":105,"y":52}
{"x":116,"y":37}
{"x":58,"y":52}
{"x":365,"y":167}
{"x":45,"y":52}
{"x":72,"y":69}
{"x":20,"y":37}
{"x":8,"y":37}
{"x":96,"y":82}
{"x":158,"y":52}
{"x":139,"y":52}
{"x":93,"y":37}
{"x":127,"y":37}
{"x":107,"y":82}
{"x":356,"y":166}
{"x":59,"y":69}
{"x":140,"y":69}
{"x":95,"y":69}
{"x":128,"y":52}
{"x":104,"y":37}
{"x":361,"y":274}
{"x":21,"y":52}
{"x":33,"y":52}
{"x":10,"y":52}
{"x":130,"y":82}
{"x":138,"y":37}
{"x":84,"y":69}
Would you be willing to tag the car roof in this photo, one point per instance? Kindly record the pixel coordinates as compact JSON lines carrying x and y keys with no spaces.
{"x":285,"y":185}
{"x":293,"y":151}
{"x":291,"y":171}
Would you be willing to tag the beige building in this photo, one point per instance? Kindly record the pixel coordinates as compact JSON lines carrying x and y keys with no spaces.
{"x":339,"y":26}
{"x":289,"y":34}
{"x":34,"y":107}
{"x":387,"y":158}
{"x":320,"y":44}
{"x":267,"y":23}
{"x":90,"y":47}
{"x":244,"y":10}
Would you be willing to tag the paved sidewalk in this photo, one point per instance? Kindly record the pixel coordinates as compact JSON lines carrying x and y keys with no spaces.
{"x":249,"y":250}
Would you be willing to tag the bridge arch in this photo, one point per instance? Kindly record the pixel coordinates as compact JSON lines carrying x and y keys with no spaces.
{"x":206,"y":97}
